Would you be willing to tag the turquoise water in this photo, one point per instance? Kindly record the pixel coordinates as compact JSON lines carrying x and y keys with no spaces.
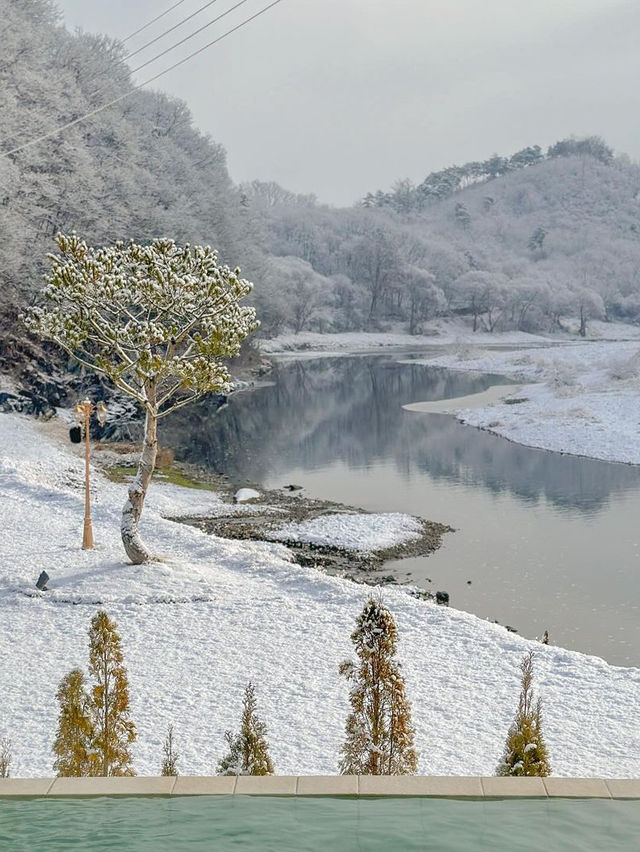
{"x":221,"y":823}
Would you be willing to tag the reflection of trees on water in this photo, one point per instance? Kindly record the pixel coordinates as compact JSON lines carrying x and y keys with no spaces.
{"x":349,"y":410}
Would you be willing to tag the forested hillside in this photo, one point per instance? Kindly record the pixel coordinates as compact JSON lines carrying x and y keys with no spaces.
{"x":137,"y":170}
{"x":526,"y":241}
{"x":510,"y":246}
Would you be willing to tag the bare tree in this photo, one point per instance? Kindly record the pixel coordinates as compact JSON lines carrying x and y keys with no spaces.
{"x":6,"y":757}
{"x":170,"y":760}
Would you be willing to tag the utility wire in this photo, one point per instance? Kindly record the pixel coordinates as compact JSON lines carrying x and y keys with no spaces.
{"x":179,"y":43}
{"x":170,"y":30}
{"x":111,"y":103}
{"x":145,"y":26}
{"x":149,"y":43}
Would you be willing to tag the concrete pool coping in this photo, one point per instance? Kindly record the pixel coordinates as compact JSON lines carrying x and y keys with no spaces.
{"x":358,"y":786}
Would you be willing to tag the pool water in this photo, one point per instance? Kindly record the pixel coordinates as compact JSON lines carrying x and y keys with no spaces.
{"x":266,"y":823}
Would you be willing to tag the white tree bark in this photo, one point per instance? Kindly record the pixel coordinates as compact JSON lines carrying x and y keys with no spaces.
{"x":136,"y":549}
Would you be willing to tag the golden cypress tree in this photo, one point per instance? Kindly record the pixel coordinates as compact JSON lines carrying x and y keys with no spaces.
{"x":525,"y":752}
{"x":113,"y":729}
{"x":379,"y":731}
{"x":73,"y":744}
{"x":248,"y":751}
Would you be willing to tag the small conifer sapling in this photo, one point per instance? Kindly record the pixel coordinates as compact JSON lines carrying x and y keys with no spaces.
{"x":525,"y":751}
{"x":170,"y":760}
{"x":379,"y":731}
{"x":248,"y":751}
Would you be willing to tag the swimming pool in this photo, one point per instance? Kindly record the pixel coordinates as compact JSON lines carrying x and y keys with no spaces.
{"x":299,"y":824}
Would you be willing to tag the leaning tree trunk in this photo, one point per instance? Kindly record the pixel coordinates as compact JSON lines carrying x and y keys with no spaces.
{"x":136,"y":549}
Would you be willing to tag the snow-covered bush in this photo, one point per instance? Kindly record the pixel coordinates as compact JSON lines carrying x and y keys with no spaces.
{"x":562,"y":377}
{"x":625,"y":369}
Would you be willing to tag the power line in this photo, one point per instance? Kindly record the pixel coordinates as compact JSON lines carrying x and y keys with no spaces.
{"x":145,"y":26}
{"x":170,"y":30}
{"x":181,"y":42}
{"x":149,"y":43}
{"x":111,"y":103}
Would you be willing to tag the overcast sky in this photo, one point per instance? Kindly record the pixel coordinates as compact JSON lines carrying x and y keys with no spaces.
{"x":341,"y":97}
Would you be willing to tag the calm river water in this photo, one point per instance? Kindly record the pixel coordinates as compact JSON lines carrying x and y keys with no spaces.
{"x":547,"y":541}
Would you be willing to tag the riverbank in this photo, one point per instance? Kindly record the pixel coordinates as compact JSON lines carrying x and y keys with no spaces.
{"x":311,"y":529}
{"x":580,"y":399}
{"x":216,"y":613}
{"x":455,"y":332}
{"x":344,"y":541}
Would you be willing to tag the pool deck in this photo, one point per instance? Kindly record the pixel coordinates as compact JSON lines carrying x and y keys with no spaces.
{"x":449,"y":786}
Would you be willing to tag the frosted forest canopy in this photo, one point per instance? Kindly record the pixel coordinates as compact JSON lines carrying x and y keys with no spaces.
{"x":525,"y":241}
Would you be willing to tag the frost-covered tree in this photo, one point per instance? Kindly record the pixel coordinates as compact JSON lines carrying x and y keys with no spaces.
{"x":379,"y":731}
{"x":113,"y":730}
{"x":589,"y":306}
{"x":170,"y":759}
{"x":156,"y":320}
{"x":248,"y":751}
{"x":525,"y":752}
{"x":481,"y":293}
{"x":73,"y":746}
{"x":536,"y":241}
{"x":303,"y":290}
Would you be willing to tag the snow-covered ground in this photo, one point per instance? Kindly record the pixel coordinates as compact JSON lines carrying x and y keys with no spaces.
{"x":582,"y":398}
{"x":442,"y":334}
{"x":215,"y":613}
{"x":362,"y":533}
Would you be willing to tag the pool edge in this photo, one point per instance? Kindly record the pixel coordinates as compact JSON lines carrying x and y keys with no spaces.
{"x":315,"y":786}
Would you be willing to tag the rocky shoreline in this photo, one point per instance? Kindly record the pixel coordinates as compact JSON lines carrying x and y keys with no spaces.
{"x":277,"y":507}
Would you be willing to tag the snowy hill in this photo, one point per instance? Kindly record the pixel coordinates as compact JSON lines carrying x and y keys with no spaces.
{"x":520,"y":242}
{"x":216,"y":613}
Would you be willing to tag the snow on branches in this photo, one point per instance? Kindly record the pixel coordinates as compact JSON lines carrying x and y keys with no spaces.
{"x":156,"y":320}
{"x":157,"y":313}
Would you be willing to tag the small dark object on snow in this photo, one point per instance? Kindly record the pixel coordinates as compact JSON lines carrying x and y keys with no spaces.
{"x":511,"y":629}
{"x":41,"y":583}
{"x":442,"y":598}
{"x":292,"y":487}
{"x":468,"y":582}
{"x":75,"y":434}
{"x":545,"y":637}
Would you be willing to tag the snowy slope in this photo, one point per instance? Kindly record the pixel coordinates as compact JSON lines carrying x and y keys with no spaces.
{"x":216,"y":613}
{"x":582,"y":399}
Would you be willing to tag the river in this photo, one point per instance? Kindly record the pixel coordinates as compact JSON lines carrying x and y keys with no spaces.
{"x":543,"y":541}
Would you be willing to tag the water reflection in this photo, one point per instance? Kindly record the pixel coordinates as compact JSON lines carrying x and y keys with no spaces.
{"x":349,"y":410}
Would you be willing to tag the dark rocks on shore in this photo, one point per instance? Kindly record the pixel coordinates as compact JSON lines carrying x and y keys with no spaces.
{"x":278,"y":509}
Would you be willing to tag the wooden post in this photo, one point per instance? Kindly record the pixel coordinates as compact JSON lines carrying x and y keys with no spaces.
{"x":87,"y":537}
